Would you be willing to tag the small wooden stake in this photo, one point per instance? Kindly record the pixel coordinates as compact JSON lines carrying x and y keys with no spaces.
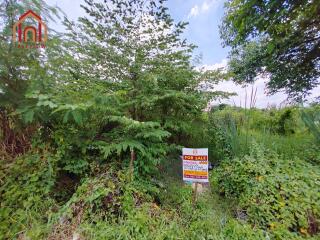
{"x":195,"y":192}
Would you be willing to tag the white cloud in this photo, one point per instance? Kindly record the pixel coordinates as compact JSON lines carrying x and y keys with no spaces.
{"x":243,"y":97}
{"x":203,"y":8}
{"x":222,"y":64}
{"x":194,"y":11}
{"x":263,"y":100}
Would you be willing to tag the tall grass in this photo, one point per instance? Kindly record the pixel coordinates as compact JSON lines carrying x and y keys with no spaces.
{"x":312,"y":123}
{"x":288,"y":131}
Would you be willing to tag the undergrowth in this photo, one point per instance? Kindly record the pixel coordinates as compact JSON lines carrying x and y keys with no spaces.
{"x":278,"y":195}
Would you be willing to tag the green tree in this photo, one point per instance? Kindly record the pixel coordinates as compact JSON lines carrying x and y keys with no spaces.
{"x":127,"y":84}
{"x":19,"y":72}
{"x":279,"y":38}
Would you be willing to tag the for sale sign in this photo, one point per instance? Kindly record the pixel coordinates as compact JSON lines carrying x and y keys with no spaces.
{"x":195,"y":164}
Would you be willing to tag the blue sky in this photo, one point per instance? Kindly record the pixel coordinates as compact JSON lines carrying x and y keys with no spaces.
{"x":204,"y":17}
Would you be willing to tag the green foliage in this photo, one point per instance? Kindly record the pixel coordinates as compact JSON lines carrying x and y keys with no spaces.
{"x":104,"y":197}
{"x":223,"y":136}
{"x":312,"y":123}
{"x":174,"y":218}
{"x":235,"y":230}
{"x":25,"y":191}
{"x":277,"y":37}
{"x":274,"y":193}
{"x":284,"y":118}
{"x":21,"y":70}
{"x":140,"y":101}
{"x":117,"y":97}
{"x":284,"y":121}
{"x":289,"y":147}
{"x":18,"y":67}
{"x":281,"y":130}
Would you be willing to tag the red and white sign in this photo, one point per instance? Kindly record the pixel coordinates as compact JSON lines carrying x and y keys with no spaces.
{"x":195,"y":164}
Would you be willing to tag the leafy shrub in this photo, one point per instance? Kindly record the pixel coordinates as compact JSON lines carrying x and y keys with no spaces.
{"x":110,"y":207}
{"x":289,"y":121}
{"x":275,"y":193}
{"x":103,"y":197}
{"x":25,"y":198}
{"x":152,"y":221}
{"x":146,"y":222}
{"x":234,"y":230}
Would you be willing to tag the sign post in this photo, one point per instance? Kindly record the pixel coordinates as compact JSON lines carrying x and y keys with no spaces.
{"x":195,"y":167}
{"x":195,"y":191}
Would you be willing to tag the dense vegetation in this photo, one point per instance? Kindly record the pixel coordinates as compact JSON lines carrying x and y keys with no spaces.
{"x":92,"y":128}
{"x":270,"y":167}
{"x":278,"y":38}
